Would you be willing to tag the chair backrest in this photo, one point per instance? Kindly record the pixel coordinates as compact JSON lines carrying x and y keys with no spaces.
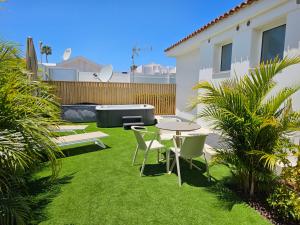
{"x":139,"y":133}
{"x":192,"y":146}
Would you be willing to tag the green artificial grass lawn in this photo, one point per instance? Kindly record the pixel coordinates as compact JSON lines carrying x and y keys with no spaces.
{"x":102,"y":187}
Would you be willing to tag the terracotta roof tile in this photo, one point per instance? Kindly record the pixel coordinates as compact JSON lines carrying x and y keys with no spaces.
{"x":218,"y":19}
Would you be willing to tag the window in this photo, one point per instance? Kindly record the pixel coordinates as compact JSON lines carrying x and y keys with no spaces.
{"x":273,"y":43}
{"x":226,"y":57}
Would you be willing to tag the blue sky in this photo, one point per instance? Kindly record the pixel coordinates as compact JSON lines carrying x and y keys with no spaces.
{"x":106,"y":30}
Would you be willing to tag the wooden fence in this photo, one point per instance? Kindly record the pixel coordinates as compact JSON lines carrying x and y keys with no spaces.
{"x":162,"y":96}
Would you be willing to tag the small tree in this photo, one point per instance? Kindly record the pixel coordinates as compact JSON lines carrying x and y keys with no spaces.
{"x":28,"y":109}
{"x":47,"y":50}
{"x":252,"y":122}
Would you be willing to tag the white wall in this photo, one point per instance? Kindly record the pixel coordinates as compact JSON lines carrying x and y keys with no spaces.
{"x":66,"y":74}
{"x":199,"y":58}
{"x":291,"y":76}
{"x":153,"y":78}
{"x":62,"y":74}
{"x":120,"y":77}
{"x":87,"y":76}
{"x":187,"y":75}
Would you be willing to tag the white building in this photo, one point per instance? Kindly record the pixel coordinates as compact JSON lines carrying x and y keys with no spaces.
{"x":154,"y":68}
{"x":154,"y":73}
{"x":79,"y":69}
{"x":82,"y":69}
{"x":236,"y":42}
{"x":75,"y":69}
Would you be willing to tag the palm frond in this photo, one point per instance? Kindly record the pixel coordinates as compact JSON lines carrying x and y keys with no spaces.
{"x":27,"y":110}
{"x":252,"y":122}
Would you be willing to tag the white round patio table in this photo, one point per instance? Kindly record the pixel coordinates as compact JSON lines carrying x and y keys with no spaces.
{"x":178,"y":127}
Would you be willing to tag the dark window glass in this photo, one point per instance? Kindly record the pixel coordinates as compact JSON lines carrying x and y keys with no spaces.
{"x":226,"y":57}
{"x":273,"y":43}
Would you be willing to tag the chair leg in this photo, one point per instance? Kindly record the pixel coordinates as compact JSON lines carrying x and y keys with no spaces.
{"x":144,"y":162}
{"x":158,"y":153}
{"x":135,"y":154}
{"x":172,"y":166}
{"x":207,"y":169}
{"x":168,"y":161}
{"x":100,"y":143}
{"x":178,"y":169}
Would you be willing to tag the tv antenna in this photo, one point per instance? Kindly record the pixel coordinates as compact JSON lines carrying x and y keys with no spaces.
{"x":136,"y":52}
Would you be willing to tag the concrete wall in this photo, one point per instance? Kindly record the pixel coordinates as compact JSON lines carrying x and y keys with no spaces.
{"x":65,"y":74}
{"x":62,"y":74}
{"x":120,"y":77}
{"x":153,"y":78}
{"x":187,"y":75}
{"x":199,"y":57}
{"x":86,"y":76}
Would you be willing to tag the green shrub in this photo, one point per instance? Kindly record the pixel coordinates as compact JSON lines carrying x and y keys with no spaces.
{"x":286,"y":202}
{"x":285,"y":198}
{"x":27,"y":110}
{"x":253,"y":123}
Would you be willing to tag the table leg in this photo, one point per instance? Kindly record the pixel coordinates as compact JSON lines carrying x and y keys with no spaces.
{"x":173,"y":155}
{"x":177,"y":138}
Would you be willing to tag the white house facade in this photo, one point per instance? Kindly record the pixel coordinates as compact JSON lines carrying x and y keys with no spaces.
{"x":235,"y":42}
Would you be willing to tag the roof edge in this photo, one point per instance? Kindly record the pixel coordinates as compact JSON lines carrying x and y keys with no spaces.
{"x":213,"y":22}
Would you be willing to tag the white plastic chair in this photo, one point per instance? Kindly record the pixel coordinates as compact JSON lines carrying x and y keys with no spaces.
{"x":146,"y":146}
{"x":166,"y":135}
{"x":191,"y":146}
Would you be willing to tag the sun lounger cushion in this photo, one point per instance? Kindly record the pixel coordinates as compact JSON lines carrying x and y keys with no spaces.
{"x":79,"y":138}
{"x":65,"y":128}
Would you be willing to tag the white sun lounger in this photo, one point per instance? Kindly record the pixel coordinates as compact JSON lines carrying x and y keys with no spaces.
{"x":81,"y":138}
{"x":68,"y":128}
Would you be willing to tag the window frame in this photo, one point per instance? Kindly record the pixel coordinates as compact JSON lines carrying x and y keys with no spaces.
{"x":221,"y":56}
{"x":262,"y":41}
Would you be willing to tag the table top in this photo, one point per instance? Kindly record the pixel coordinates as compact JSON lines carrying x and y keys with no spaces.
{"x":178,"y":126}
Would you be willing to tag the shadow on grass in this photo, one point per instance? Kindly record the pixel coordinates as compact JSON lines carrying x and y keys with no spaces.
{"x":198,"y":178}
{"x":154,"y":169}
{"x":42,"y":192}
{"x":82,"y":150}
{"x":227,"y":198}
{"x":194,"y":177}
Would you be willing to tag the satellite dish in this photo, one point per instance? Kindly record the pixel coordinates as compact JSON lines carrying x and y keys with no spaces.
{"x":105,"y":73}
{"x":67,"y":54}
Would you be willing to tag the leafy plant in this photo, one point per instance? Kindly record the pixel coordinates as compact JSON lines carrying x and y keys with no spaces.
{"x":27,"y":110}
{"x":286,"y":202}
{"x":253,"y":122}
{"x":285,"y":198}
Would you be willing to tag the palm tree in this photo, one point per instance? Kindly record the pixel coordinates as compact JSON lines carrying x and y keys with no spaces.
{"x":253,"y":123}
{"x":27,"y":110}
{"x":47,"y":50}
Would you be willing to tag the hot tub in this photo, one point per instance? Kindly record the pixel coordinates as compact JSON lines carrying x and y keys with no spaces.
{"x":111,"y":115}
